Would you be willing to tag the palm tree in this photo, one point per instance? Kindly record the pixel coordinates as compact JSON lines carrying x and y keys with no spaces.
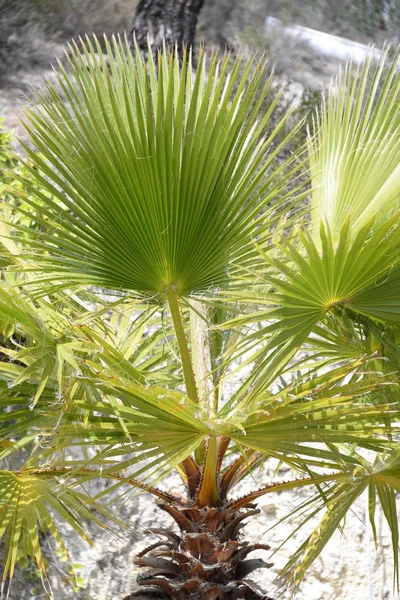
{"x":162,"y":253}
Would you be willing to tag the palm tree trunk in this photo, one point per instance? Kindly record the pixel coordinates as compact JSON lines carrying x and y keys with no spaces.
{"x":206,"y":560}
{"x":171,"y":20}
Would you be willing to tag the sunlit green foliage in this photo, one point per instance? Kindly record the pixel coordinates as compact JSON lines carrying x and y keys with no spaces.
{"x":170,"y":255}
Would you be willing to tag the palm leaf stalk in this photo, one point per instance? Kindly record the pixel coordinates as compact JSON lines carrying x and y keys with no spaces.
{"x":170,"y":253}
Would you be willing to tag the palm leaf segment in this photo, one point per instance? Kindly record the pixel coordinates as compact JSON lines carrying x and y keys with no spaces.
{"x":349,"y":259}
{"x":354,"y":151}
{"x":73,"y":363}
{"x":381,"y":480}
{"x":335,"y":282}
{"x":348,"y":264}
{"x":151,"y":161}
{"x":25,"y":510}
{"x":69,"y":364}
{"x":352,"y":256}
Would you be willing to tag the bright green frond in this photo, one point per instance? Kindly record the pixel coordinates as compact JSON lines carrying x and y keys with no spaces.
{"x":311,"y":281}
{"x":355,"y":148}
{"x":26,"y":502}
{"x":381,"y":480}
{"x":323,"y":410}
{"x":363,"y":275}
{"x":162,"y":171}
{"x":14,"y":310}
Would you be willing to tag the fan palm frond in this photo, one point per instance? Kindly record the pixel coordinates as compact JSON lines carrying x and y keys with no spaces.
{"x":381,"y":480}
{"x":355,"y":147}
{"x":151,"y":161}
{"x":26,"y":504}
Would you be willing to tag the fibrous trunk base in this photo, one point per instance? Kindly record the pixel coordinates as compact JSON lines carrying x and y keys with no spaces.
{"x":206,"y":561}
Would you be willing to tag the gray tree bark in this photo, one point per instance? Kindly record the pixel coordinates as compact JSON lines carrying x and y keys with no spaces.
{"x":171,"y":20}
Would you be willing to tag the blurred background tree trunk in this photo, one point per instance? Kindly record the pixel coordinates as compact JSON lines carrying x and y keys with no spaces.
{"x":171,"y":20}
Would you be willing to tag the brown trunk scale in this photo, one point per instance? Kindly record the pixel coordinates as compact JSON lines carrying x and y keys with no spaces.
{"x":206,"y":561}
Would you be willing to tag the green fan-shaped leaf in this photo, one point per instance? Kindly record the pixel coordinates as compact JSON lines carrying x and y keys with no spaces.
{"x":355,"y":148}
{"x":350,"y":256}
{"x":311,"y":280}
{"x":322,"y":410}
{"x":26,"y":502}
{"x":151,"y":161}
{"x":382,"y":480}
{"x":363,"y":275}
